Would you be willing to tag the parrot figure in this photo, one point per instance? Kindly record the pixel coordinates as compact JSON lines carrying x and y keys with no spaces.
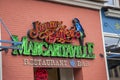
{"x":79,"y":29}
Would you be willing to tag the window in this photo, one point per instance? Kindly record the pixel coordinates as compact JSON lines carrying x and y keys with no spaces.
{"x":113,"y":3}
{"x":66,"y":74}
{"x":110,"y":2}
{"x":112,"y":46}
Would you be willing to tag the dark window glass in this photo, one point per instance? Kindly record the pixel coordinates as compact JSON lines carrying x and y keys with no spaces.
{"x":112,"y":44}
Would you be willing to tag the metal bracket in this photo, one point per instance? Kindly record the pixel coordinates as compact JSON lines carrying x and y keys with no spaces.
{"x":5,"y":48}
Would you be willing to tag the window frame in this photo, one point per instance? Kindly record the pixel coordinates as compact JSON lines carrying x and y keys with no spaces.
{"x":81,"y":3}
{"x":116,"y":3}
{"x":111,"y":35}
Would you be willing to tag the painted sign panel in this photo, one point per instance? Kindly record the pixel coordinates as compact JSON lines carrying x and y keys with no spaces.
{"x":55,"y":62}
{"x":110,"y":24}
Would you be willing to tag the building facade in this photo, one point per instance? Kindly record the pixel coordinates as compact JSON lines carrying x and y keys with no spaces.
{"x":60,"y":40}
{"x":111,"y":23}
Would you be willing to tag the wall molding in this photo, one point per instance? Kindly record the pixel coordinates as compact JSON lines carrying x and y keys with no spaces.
{"x":81,"y":3}
{"x":112,"y":35}
{"x":112,"y":13}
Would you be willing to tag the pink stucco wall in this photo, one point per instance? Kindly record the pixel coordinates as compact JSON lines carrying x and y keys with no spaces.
{"x":18,"y":15}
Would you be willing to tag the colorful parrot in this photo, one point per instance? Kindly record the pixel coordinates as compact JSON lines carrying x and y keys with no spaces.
{"x":79,"y":29}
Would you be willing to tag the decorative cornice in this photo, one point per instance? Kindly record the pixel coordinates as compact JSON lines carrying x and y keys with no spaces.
{"x":106,"y":34}
{"x":113,"y":13}
{"x":81,"y":3}
{"x":101,"y":0}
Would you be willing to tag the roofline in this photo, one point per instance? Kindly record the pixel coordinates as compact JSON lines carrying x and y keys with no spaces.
{"x":81,"y":3}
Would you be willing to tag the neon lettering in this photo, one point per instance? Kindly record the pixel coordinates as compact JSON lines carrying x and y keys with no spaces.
{"x":32,"y":48}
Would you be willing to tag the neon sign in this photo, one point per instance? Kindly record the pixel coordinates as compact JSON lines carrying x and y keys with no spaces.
{"x":52,"y":32}
{"x":50,"y":37}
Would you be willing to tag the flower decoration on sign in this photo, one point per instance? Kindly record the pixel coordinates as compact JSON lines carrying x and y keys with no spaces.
{"x":41,"y":74}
